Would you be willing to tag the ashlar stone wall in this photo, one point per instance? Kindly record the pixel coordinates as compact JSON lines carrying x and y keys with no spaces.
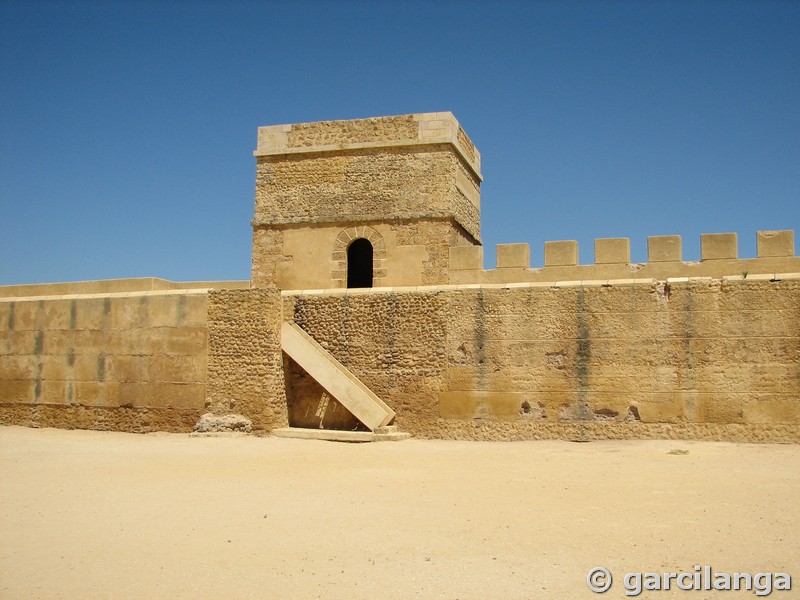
{"x":698,"y":358}
{"x":314,"y":257}
{"x":129,"y":361}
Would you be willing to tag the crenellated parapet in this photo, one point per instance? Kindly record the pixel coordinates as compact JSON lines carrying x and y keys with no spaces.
{"x":369,"y":301}
{"x":719,"y":257}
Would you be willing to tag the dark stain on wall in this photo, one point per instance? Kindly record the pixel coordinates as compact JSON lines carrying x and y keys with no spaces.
{"x":142,"y":315}
{"x":480,"y":340}
{"x":101,"y":367}
{"x":181,"y":311}
{"x":582,"y":356}
{"x":38,"y":342}
{"x":37,"y":387}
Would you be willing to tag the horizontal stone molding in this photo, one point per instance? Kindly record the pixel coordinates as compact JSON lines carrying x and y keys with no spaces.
{"x":104,"y":287}
{"x":554,"y":284}
{"x":421,"y":129}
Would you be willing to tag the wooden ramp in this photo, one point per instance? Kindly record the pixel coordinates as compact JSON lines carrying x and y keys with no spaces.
{"x":334,"y":377}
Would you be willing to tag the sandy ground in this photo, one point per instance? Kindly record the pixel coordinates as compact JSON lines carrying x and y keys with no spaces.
{"x":88,"y":514}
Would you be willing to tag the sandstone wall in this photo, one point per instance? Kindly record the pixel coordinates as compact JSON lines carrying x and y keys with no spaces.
{"x":701,"y":358}
{"x":332,"y":133}
{"x":112,"y":286}
{"x":245,"y":362}
{"x":696,"y":358}
{"x":315,"y":256}
{"x":393,"y":342}
{"x":367,"y":185}
{"x":719,"y":257}
{"x":125,"y":361}
{"x":415,"y":177}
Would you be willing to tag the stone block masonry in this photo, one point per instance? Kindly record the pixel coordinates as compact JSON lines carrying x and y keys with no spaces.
{"x":696,"y":358}
{"x":390,"y":206}
{"x":700,"y":359}
{"x":129,"y":361}
{"x":245,"y":364}
{"x":413,"y":180}
{"x":719,"y":258}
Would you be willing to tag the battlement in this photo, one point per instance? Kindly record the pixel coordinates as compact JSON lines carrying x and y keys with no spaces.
{"x":376,"y":132}
{"x":368,"y":291}
{"x":612,"y":260}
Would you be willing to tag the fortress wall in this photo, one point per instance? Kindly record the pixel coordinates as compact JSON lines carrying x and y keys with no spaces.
{"x":112,"y":286}
{"x":330,"y":186}
{"x":358,"y":185}
{"x":719,"y":258}
{"x":125,"y":361}
{"x":699,"y":358}
{"x":314,"y":256}
{"x":375,"y":132}
{"x":393,"y":342}
{"x":693,"y":358}
{"x":245,"y":362}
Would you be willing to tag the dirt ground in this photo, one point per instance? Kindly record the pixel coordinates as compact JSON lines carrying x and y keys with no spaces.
{"x":86,"y":514}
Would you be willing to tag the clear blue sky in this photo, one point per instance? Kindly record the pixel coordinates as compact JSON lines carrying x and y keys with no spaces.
{"x":127,"y":128}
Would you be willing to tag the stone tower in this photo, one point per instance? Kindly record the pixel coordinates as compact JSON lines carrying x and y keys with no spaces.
{"x":363,"y":203}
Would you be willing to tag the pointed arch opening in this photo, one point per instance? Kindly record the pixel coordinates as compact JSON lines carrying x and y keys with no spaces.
{"x":359,"y":264}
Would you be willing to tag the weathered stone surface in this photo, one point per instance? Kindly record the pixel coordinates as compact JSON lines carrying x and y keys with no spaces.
{"x":535,"y":361}
{"x":245,"y":364}
{"x":210,"y":423}
{"x":129,"y":361}
{"x":338,"y":381}
{"x":414,"y":180}
{"x":707,"y":349}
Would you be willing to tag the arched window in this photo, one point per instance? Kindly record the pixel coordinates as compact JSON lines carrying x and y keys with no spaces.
{"x":359,"y":264}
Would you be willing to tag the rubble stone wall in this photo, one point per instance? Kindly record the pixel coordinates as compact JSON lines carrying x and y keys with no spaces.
{"x":706,"y":359}
{"x":364,"y":185}
{"x":245,"y":363}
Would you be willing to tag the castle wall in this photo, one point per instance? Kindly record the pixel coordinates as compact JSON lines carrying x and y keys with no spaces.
{"x":365,"y":185}
{"x":413,"y":179}
{"x":315,"y":256}
{"x":696,"y":358}
{"x":701,"y":358}
{"x":126,"y":361}
{"x":706,"y":349}
{"x":112,"y":286}
{"x":719,"y":257}
{"x":245,"y":362}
